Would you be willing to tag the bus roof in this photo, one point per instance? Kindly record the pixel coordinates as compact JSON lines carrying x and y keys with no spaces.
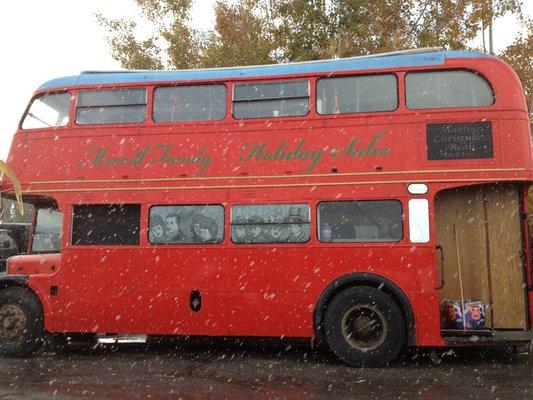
{"x":427,"y":57}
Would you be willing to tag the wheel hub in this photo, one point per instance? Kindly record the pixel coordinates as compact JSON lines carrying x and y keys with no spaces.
{"x":364,"y":327}
{"x":13,"y":323}
{"x":8,"y":323}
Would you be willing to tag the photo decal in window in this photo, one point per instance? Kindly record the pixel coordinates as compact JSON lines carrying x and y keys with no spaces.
{"x":186,"y":224}
{"x":270,"y":223}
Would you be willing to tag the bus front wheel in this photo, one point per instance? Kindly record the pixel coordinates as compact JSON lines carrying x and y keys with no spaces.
{"x":21,"y":322}
{"x":364,"y":327}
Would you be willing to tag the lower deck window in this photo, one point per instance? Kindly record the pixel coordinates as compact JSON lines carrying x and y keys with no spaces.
{"x":360,"y":221}
{"x":270,"y":223}
{"x":186,"y":224}
{"x":107,"y":224}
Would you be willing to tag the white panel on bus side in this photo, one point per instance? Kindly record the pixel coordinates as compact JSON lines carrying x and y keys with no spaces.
{"x":418,"y":221}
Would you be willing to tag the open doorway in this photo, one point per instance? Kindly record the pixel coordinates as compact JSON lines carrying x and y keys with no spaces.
{"x":479,"y":238}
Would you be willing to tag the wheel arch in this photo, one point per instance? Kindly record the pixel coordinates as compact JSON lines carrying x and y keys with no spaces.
{"x":364,"y":279}
{"x":13,"y":281}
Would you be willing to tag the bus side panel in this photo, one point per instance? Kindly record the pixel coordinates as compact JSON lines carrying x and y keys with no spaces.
{"x":516,"y":149}
{"x":272,"y":314}
{"x":411,"y":146}
{"x":137,"y":291}
{"x":426,"y":310}
{"x":411,"y":268}
{"x":275,"y":295}
{"x":254,"y":294}
{"x":270,"y":290}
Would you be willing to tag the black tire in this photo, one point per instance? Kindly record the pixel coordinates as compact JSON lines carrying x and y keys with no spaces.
{"x":21,"y":322}
{"x":56,"y":342}
{"x":364,"y":327}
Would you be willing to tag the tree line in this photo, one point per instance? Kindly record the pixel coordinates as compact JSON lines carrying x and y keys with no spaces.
{"x":251,"y":32}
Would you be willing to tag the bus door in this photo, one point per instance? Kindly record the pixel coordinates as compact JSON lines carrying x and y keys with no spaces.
{"x":480,"y":252}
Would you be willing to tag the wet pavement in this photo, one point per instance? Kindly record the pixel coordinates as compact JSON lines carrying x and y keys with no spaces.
{"x":234,"y":369}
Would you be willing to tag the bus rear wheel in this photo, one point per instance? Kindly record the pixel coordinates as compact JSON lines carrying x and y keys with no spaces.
{"x":364,"y":327}
{"x":21,"y":322}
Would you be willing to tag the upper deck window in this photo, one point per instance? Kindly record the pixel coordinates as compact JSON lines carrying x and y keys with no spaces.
{"x":116,"y":106}
{"x":190,"y":103}
{"x":271,"y":99}
{"x":357,"y":94}
{"x":444,"y":89}
{"x":47,"y":110}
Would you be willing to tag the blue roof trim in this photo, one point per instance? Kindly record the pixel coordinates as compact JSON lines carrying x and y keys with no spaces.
{"x":309,"y":67}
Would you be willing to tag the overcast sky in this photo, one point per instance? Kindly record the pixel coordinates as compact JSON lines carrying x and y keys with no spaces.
{"x":42,"y":40}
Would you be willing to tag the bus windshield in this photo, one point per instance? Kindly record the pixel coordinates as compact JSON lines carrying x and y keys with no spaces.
{"x":47,"y":111}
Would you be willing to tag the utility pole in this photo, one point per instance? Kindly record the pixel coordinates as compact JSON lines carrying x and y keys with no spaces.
{"x":483,"y":35}
{"x":491,"y":41}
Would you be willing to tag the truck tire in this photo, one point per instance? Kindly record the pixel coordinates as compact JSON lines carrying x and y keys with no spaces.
{"x":364,"y":327}
{"x":21,"y":322}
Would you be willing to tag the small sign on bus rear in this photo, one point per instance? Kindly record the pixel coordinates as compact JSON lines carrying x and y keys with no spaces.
{"x":456,"y":141}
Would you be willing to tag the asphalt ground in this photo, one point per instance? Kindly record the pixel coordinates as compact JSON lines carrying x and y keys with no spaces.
{"x":203,"y":368}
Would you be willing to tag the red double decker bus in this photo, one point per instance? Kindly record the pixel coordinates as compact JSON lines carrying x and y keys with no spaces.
{"x":373,"y":203}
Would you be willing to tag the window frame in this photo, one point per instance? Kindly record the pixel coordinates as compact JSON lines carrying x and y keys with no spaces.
{"x":363,"y":242}
{"x":223,"y":227}
{"x":358,"y":113}
{"x":147,"y":91}
{"x":309,"y":97}
{"x":472,"y":71}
